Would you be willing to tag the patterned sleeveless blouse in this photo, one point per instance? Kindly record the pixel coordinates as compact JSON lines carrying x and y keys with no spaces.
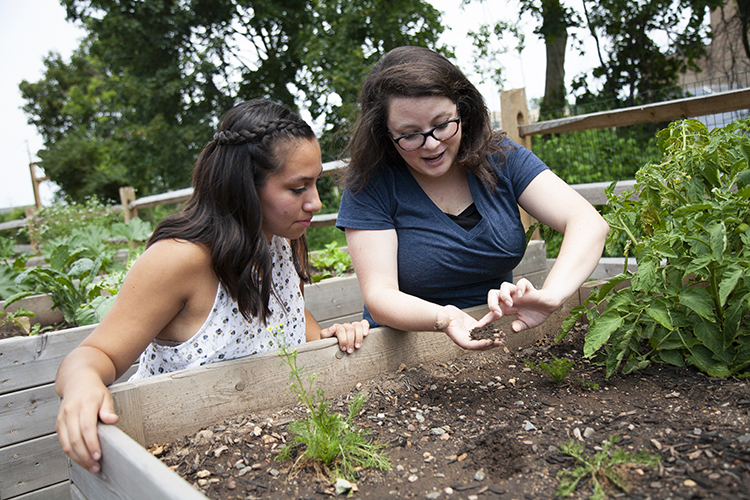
{"x":226,"y":334}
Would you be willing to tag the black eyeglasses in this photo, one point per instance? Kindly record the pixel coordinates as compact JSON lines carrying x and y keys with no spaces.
{"x":441,"y":132}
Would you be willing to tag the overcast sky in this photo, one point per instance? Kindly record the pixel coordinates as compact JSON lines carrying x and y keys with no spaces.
{"x":30,"y":29}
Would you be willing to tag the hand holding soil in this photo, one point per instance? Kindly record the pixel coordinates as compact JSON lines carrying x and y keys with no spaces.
{"x":460,"y":326}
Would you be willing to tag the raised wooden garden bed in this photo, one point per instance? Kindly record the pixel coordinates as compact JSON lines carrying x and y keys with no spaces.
{"x":170,"y":406}
{"x":32,"y":464}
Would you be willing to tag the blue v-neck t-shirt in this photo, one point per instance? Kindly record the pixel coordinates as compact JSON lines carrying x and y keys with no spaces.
{"x":438,"y":260}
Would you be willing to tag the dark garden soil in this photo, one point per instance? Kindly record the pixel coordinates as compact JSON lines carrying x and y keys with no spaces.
{"x":486,"y":426}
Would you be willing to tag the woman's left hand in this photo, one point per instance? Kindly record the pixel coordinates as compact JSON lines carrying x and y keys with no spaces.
{"x":530,"y":306}
{"x":350,"y":335}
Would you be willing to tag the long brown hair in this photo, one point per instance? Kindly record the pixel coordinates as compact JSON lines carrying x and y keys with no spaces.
{"x":417,"y":72}
{"x":224,"y":212}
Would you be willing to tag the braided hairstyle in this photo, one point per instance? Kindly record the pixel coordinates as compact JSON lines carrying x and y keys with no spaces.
{"x":224,"y":212}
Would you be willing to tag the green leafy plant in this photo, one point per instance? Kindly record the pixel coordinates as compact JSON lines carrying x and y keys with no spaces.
{"x":134,"y":231}
{"x":604,"y":469}
{"x":61,"y":220}
{"x":331,"y":262}
{"x":329,"y":439}
{"x":94,"y":310}
{"x":69,"y":281}
{"x":557,"y":369}
{"x":9,"y":271}
{"x":688,"y":301}
{"x":22,"y":319}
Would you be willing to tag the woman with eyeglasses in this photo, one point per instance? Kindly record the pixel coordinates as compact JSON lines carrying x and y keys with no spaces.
{"x":430,"y":208}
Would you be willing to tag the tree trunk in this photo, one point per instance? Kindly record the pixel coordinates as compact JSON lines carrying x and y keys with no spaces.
{"x":554,"y":86}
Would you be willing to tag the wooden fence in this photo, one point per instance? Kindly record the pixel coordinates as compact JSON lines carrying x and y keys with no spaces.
{"x":515,"y":119}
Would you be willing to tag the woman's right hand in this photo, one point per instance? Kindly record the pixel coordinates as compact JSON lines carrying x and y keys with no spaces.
{"x":458,"y":325}
{"x":80,"y":410}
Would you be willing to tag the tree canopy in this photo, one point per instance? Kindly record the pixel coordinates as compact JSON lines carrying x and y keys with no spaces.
{"x":632,"y":61}
{"x":642,"y":45}
{"x":139,"y":98}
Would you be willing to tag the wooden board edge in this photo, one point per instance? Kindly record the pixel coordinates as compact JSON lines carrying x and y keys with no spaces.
{"x":129,"y":472}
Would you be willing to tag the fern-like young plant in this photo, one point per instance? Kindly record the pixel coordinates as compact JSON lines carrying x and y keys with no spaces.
{"x":605,"y":469}
{"x":329,"y":439}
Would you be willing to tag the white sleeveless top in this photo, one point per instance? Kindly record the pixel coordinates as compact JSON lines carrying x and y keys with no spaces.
{"x":226,"y":334}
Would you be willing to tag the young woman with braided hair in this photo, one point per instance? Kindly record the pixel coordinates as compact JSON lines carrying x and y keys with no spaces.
{"x":214,"y":276}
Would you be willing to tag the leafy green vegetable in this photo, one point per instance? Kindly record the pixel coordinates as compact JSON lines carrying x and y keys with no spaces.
{"x":686,"y":222}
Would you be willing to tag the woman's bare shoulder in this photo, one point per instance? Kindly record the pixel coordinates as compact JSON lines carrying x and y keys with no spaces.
{"x":173,"y":260}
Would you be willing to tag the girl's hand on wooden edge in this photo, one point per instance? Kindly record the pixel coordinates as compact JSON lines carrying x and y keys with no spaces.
{"x":78,"y":434}
{"x":350,"y":335}
{"x":459,"y":329}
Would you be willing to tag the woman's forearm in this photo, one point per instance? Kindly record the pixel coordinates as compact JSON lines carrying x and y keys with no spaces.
{"x":579,"y":255}
{"x":84,"y":363}
{"x":401,"y":311}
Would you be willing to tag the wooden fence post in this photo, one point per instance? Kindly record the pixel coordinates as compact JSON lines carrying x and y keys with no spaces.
{"x":35,"y":181}
{"x":127,"y":196}
{"x":514,"y":111}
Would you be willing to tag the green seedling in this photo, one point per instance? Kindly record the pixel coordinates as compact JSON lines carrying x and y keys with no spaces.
{"x":588,"y":385}
{"x":606,"y":469}
{"x":557,"y":369}
{"x":331,"y":262}
{"x":22,"y":319}
{"x":329,"y":439}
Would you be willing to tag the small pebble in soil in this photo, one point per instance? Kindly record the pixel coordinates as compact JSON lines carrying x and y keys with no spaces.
{"x":486,"y":332}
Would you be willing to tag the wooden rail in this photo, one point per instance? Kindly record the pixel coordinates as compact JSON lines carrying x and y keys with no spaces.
{"x":723,"y":102}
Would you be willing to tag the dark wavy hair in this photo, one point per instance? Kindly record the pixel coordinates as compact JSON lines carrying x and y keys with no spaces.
{"x":417,"y":72}
{"x":224,"y":212}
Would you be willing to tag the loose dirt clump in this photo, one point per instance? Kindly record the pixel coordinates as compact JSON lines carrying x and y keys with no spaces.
{"x":486,"y":332}
{"x":484,"y":426}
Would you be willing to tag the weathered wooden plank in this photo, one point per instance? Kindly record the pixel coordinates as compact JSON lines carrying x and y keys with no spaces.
{"x":324,"y":220}
{"x":75,"y":493}
{"x":534,"y":260}
{"x":677,"y":109}
{"x":28,"y":414}
{"x":594,"y":191}
{"x":12,"y":224}
{"x":32,"y":465}
{"x":334,"y":297}
{"x":59,"y":491}
{"x":129,"y":472}
{"x":177,"y":196}
{"x":349,"y":318}
{"x":30,"y":361}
